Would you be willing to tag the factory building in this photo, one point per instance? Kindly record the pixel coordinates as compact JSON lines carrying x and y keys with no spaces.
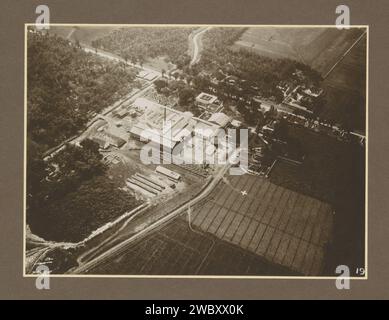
{"x":168,"y":173}
{"x":220,"y":119}
{"x":161,"y":125}
{"x":174,"y":132}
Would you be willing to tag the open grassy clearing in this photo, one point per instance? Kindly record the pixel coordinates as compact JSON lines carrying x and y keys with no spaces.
{"x":318,"y":47}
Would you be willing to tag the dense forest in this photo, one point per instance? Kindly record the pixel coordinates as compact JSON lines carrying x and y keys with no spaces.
{"x":66,"y":85}
{"x":140,"y":43}
{"x":69,"y":194}
{"x":76,"y":198}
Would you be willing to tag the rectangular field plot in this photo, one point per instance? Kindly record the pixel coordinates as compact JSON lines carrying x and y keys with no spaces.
{"x":318,"y":47}
{"x":279,"y":225}
{"x":177,"y":249}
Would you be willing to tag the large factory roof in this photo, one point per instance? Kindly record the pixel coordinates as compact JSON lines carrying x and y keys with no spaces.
{"x":220,"y":119}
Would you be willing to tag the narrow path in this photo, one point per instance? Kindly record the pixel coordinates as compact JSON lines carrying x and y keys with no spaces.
{"x":344,"y":55}
{"x":71,"y":33}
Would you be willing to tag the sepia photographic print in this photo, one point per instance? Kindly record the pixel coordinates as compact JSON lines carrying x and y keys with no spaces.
{"x":195,"y":151}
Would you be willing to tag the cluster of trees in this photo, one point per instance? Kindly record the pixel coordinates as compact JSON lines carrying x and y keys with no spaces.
{"x":76,"y":198}
{"x":186,"y":94}
{"x":66,"y":85}
{"x":160,"y":85}
{"x":251,"y":114}
{"x":220,"y":39}
{"x":138,"y":44}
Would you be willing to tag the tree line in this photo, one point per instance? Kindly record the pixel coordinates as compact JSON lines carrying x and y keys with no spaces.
{"x":137,"y":44}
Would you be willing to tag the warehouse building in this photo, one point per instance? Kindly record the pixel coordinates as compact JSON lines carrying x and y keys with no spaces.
{"x":168,"y":173}
{"x":105,"y":139}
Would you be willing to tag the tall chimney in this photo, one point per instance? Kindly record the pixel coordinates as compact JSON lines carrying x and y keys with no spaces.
{"x":164,"y":117}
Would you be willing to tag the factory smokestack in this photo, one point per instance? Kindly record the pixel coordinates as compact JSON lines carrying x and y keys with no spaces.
{"x":164,"y":117}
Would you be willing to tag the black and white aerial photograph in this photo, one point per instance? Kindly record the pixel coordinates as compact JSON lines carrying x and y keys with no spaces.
{"x":195,"y":150}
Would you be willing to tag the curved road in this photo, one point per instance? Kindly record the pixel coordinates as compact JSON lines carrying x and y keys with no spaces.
{"x":196,"y":45}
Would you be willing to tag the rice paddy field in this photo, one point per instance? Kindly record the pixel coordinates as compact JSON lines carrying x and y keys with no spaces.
{"x":247,"y":226}
{"x":177,"y":249}
{"x":334,"y":172}
{"x":284,"y":227}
